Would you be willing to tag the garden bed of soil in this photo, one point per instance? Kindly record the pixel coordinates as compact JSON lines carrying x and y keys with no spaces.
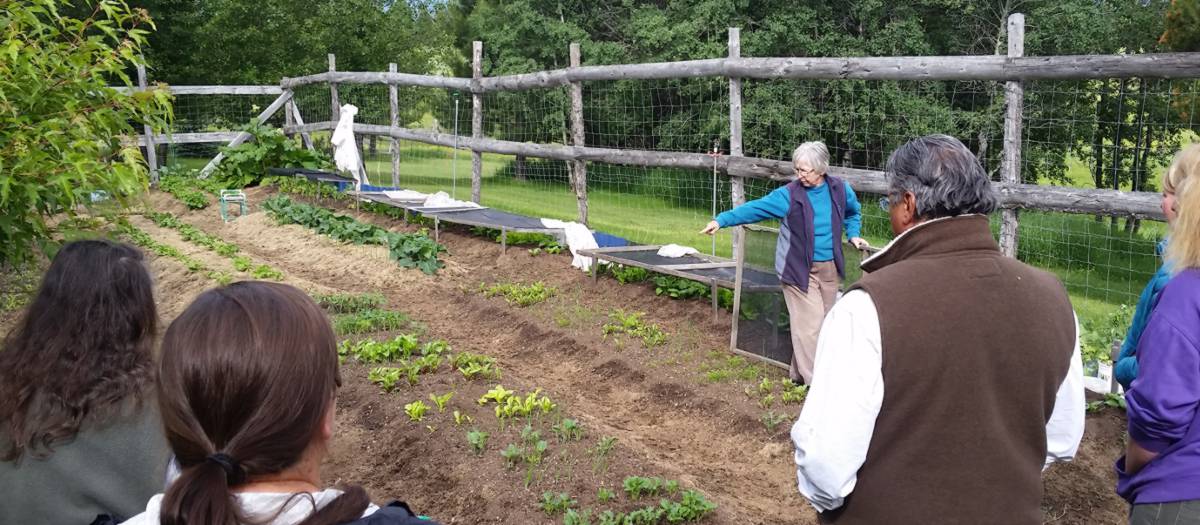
{"x":685,"y":410}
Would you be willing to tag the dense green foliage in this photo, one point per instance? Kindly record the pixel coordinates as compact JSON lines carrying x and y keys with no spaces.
{"x":64,"y":138}
{"x":247,"y":163}
{"x":409,"y":250}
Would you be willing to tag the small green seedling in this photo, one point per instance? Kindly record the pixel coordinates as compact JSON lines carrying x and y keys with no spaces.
{"x":554,"y":503}
{"x":573,"y":517}
{"x":512,"y":455}
{"x":416,"y":410}
{"x":460,"y":418}
{"x":568,"y":430}
{"x":604,"y":495}
{"x":478,"y":441}
{"x":601,"y":451}
{"x":441,"y":400}
{"x":771,"y":420}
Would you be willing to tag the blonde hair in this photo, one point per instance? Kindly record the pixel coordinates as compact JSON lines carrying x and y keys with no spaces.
{"x":1187,"y":162}
{"x":1183,"y":250}
{"x":815,"y":153}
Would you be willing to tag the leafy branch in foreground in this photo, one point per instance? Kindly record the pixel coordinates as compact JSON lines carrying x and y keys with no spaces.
{"x":66,"y":133}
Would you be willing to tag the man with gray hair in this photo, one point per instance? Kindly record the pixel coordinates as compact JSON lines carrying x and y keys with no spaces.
{"x":949,"y":376}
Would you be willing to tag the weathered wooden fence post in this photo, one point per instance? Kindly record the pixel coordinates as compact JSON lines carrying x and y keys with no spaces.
{"x":1014,"y":102}
{"x":737,"y":184}
{"x":476,"y":119}
{"x":579,"y":173}
{"x":151,"y":154}
{"x":334,"y":105}
{"x":394,"y":102}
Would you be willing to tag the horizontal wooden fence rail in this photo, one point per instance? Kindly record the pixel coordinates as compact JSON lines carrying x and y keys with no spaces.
{"x":988,"y":67}
{"x":190,"y":138}
{"x":1144,"y":205}
{"x":214,"y":90}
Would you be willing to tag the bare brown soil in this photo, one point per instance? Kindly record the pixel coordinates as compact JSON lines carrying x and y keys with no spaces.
{"x":669,"y":420}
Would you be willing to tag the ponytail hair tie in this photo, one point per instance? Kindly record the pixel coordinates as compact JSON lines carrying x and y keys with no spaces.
{"x":234,"y":475}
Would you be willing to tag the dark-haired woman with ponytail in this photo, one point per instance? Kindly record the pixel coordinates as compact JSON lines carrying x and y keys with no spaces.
{"x":80,"y":434}
{"x":248,"y":379}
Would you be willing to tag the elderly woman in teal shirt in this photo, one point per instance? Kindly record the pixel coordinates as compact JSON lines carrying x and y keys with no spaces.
{"x":815,"y":211}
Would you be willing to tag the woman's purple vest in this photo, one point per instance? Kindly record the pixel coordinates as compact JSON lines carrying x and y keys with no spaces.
{"x":794,"y":248}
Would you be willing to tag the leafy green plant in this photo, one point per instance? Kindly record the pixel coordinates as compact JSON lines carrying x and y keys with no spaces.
{"x":460,"y":418}
{"x":604,"y":495}
{"x":518,"y":294}
{"x":556,"y":502}
{"x":143,"y":239}
{"x":772,"y":420}
{"x":264,"y":271}
{"x":65,"y":132}
{"x":628,"y":274}
{"x":478,"y":441}
{"x":637,"y":486}
{"x":693,"y":506}
{"x":793,"y":394}
{"x":349,"y":303}
{"x":1110,"y":400}
{"x":498,"y":394}
{"x":512,"y":455}
{"x":409,"y":250}
{"x":574,"y":517}
{"x":568,"y":430}
{"x":766,"y":386}
{"x":766,"y":401}
{"x":370,"y":351}
{"x":246,"y":164}
{"x":476,"y":366}
{"x":609,"y":517}
{"x":441,"y":400}
{"x":385,"y":376}
{"x":184,"y":188}
{"x":679,"y":288}
{"x":1098,"y":336}
{"x":631,"y":323}
{"x":416,"y":410}
{"x":369,"y":321}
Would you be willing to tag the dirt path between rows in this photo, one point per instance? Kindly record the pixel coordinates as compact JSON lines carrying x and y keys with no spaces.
{"x":672,"y":421}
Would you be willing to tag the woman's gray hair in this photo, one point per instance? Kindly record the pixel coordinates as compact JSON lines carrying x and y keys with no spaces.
{"x":814,"y":153}
{"x":943,"y":174}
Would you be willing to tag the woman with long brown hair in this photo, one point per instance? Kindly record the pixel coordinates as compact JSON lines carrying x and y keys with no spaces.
{"x":80,"y":434}
{"x":248,"y":380}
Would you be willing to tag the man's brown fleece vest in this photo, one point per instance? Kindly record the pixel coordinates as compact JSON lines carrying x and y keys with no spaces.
{"x":975,"y":346}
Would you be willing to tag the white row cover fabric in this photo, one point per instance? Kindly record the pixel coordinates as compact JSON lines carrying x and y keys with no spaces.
{"x":345,"y":148}
{"x":442,"y":199}
{"x":579,"y":237}
{"x":675,"y":251}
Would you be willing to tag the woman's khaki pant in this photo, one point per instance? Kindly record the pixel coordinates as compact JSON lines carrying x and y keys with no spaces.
{"x":806,"y":311}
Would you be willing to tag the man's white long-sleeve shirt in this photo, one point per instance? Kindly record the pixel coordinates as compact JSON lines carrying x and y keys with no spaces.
{"x":835,"y":427}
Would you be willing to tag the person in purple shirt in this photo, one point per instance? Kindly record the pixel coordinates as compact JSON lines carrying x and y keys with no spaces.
{"x":1160,"y":472}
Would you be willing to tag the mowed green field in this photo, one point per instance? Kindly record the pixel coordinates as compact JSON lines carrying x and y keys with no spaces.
{"x":1102,"y":266}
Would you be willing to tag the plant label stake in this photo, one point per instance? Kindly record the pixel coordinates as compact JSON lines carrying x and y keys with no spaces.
{"x":715,"y":154}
